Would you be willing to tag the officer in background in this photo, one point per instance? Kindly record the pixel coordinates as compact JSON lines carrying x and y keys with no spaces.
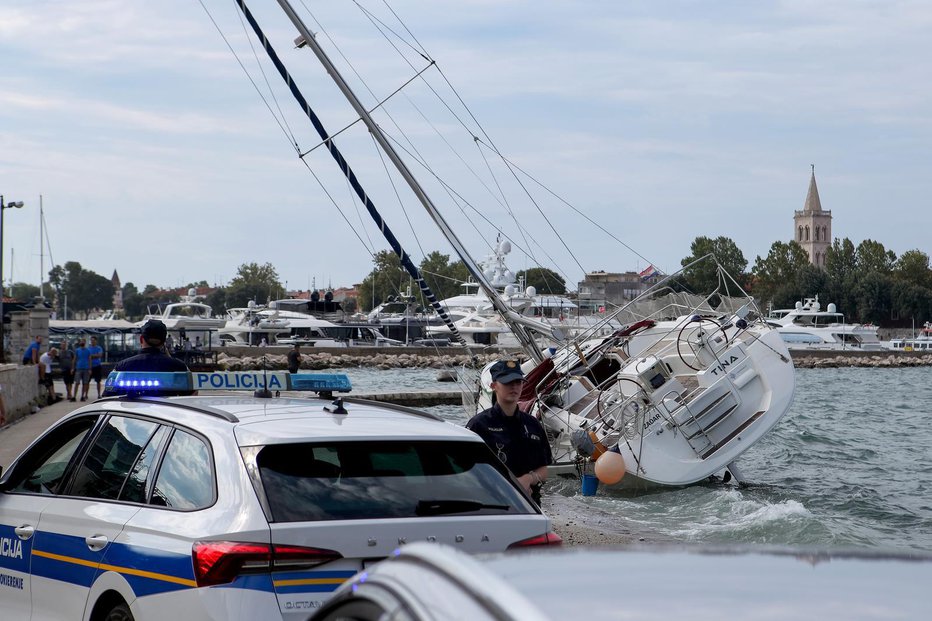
{"x":152,"y":357}
{"x":516,"y":437}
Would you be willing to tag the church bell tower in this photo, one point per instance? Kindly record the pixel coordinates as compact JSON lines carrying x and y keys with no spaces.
{"x":813,"y":226}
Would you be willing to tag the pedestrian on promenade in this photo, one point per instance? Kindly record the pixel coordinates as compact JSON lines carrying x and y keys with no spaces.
{"x":82,"y":368}
{"x":45,"y":374}
{"x":32,"y":353}
{"x":97,"y":361}
{"x":66,"y":364}
{"x":516,"y":437}
{"x":294,"y":359}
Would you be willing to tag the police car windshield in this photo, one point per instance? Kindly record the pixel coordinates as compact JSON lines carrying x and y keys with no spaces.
{"x":375,"y":480}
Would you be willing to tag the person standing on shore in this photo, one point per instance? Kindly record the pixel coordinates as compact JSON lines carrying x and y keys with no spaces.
{"x":97,"y":360}
{"x":516,"y":437}
{"x":45,"y":374}
{"x":32,"y":353}
{"x":82,"y":368}
{"x":66,"y":364}
{"x":294,"y":359}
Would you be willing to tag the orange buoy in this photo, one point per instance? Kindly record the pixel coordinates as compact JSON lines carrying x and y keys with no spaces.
{"x":610,"y":467}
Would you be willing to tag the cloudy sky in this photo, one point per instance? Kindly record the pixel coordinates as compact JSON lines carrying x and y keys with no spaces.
{"x":156,"y":155}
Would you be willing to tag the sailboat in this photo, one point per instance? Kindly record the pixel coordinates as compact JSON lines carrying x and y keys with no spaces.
{"x":676,"y":389}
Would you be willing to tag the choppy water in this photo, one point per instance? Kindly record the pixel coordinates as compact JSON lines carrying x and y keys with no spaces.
{"x":850,"y":466}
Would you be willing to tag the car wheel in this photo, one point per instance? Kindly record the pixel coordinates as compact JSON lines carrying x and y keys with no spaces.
{"x":120,"y":612}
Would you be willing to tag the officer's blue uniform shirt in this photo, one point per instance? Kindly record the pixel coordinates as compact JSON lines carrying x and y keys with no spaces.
{"x":519,"y":441}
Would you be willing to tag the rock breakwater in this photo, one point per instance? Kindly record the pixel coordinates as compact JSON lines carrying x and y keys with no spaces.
{"x":875,"y":361}
{"x":325,"y":360}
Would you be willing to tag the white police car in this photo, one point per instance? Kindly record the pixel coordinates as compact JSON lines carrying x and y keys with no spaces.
{"x":437,"y":583}
{"x":226,"y":506}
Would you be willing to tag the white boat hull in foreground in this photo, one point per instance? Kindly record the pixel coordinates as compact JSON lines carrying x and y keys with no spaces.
{"x":696,"y":395}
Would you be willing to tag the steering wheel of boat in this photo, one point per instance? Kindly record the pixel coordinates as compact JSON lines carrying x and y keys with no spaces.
{"x":696,"y":330}
{"x":613,"y":393}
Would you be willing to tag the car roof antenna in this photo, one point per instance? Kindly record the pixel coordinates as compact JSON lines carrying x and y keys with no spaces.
{"x":264,"y":392}
{"x":337,"y":407}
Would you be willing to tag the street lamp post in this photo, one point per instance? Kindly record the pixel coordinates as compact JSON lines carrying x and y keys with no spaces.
{"x":3,"y":207}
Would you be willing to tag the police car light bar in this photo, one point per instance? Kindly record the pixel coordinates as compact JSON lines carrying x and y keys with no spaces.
{"x":122,"y":382}
{"x":151,"y":383}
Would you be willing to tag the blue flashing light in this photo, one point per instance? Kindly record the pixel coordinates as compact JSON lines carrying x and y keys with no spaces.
{"x":145,"y":382}
{"x":152,"y":383}
{"x":320,"y":382}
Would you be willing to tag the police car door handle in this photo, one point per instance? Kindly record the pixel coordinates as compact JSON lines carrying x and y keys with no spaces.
{"x":96,"y":542}
{"x":25,"y":531}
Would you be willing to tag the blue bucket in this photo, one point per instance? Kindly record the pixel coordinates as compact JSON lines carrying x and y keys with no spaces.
{"x":590,"y":484}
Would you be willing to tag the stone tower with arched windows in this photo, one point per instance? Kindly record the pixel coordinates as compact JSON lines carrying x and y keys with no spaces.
{"x":813,"y":226}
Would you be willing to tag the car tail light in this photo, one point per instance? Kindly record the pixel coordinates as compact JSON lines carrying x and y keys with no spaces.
{"x":220,"y":562}
{"x":547,"y":539}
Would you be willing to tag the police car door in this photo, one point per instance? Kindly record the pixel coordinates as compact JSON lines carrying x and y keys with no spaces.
{"x":76,"y":531}
{"x":19,"y":517}
{"x":31,"y":483}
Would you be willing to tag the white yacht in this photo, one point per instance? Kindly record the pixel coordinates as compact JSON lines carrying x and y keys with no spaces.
{"x":250,"y":326}
{"x":808,"y":327}
{"x":189,"y":319}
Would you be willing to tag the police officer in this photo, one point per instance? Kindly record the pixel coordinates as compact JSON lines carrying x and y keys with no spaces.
{"x":152,"y":357}
{"x":516,"y":437}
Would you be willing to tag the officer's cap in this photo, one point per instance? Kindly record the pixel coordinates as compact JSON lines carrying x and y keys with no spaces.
{"x":154,"y":332}
{"x":506,"y":371}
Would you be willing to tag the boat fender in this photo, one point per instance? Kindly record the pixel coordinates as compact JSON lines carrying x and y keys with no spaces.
{"x":610,"y":467}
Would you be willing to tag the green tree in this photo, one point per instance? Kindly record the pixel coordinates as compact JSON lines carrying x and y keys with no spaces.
{"x":871,"y":256}
{"x":253,"y":282}
{"x":874,"y":297}
{"x":443,"y":278}
{"x":703,"y":277}
{"x":913,"y":267}
{"x":545,"y":280}
{"x":386,"y":279}
{"x":777,"y":277}
{"x":134,"y":302}
{"x":910,"y":301}
{"x":23,"y":291}
{"x":217,"y":300}
{"x":841,"y":268}
{"x":83,"y":289}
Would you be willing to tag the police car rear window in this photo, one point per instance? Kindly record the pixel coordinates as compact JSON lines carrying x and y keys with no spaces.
{"x":376,"y":480}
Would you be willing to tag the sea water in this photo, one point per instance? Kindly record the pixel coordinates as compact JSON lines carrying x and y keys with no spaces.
{"x":850,"y":466}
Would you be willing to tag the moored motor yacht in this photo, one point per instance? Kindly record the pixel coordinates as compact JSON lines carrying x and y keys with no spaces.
{"x":188,"y":319}
{"x":919,"y":342}
{"x":250,"y":326}
{"x":808,"y":327}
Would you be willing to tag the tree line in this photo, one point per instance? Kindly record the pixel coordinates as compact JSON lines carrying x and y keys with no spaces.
{"x":867,"y":282}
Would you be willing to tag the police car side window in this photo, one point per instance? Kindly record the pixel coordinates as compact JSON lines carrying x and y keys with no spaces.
{"x":42,"y":469}
{"x":112,"y":457}
{"x":186,"y":476}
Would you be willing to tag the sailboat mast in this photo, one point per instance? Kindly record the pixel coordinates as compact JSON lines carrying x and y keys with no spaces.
{"x":41,"y":248}
{"x":523,"y":334}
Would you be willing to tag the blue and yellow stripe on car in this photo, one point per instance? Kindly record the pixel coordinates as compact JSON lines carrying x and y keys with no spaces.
{"x":150,"y":572}
{"x":310,"y":581}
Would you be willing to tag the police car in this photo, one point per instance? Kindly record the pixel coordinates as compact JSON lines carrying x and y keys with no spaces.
{"x":233,"y":506}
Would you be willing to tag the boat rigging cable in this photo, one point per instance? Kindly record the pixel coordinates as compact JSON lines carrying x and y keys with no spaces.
{"x":521,"y":327}
{"x":412,"y":150}
{"x":409,"y":266}
{"x":381,"y":27}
